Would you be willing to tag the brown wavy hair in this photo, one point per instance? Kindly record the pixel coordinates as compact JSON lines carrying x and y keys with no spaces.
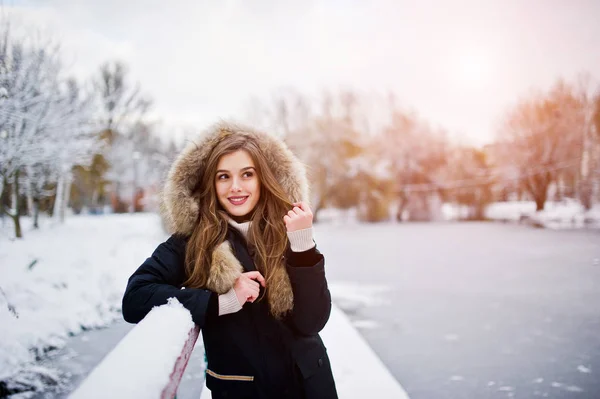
{"x":267,"y":238}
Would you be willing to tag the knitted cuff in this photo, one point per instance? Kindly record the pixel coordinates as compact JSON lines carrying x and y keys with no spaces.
{"x":228,"y":303}
{"x":301,"y":240}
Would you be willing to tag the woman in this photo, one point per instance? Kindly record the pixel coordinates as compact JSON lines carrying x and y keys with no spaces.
{"x":254,"y":280}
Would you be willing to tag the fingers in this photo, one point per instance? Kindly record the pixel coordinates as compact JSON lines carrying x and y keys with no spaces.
{"x":246,"y":288}
{"x":300,"y":217}
{"x":256,"y":276}
{"x":296,"y":210}
{"x":252,"y":294}
{"x":253,"y":284}
{"x":303,"y":206}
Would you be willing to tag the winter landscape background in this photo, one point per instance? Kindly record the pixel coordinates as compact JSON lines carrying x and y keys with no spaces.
{"x":453,"y":151}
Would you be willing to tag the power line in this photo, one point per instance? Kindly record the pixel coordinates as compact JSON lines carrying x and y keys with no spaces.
{"x":469,"y":183}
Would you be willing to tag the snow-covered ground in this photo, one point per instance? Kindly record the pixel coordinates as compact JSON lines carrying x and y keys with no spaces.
{"x":565,"y":214}
{"x":556,"y":215}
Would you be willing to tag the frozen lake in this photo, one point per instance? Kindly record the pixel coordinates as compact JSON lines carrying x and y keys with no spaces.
{"x":475,"y":310}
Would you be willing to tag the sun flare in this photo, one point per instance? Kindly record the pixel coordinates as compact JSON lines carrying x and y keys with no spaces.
{"x":473,"y":69}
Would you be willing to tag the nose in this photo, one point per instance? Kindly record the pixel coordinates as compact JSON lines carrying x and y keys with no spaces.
{"x":235,"y":185}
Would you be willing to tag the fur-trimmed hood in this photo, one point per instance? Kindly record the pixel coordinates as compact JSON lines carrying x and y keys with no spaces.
{"x":180,"y":209}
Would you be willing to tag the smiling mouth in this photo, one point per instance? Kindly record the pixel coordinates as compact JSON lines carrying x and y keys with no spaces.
{"x":238,"y":200}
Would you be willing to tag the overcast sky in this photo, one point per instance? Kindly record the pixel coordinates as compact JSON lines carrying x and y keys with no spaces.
{"x":459,"y":64}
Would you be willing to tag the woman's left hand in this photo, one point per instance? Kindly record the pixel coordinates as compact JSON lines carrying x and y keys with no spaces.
{"x":299,"y":218}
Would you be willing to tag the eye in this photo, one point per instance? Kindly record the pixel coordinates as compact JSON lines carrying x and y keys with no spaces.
{"x":222,"y":176}
{"x":248,"y":174}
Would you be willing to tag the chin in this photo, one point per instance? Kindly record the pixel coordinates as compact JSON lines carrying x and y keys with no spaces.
{"x":238,"y":213}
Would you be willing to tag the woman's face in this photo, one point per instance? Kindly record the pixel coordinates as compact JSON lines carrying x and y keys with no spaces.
{"x":237,"y":184}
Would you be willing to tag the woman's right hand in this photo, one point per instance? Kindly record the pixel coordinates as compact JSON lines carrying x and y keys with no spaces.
{"x":247,"y":287}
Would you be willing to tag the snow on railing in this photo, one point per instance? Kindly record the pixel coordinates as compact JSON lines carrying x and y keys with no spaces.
{"x":149,"y":361}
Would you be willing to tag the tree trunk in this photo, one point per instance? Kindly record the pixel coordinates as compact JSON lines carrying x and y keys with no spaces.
{"x":36,"y":213}
{"x":479,"y":212}
{"x":585,"y":193}
{"x":29,"y":196}
{"x":401,"y":206}
{"x":65,"y":198}
{"x":94,"y":200}
{"x":537,"y":186}
{"x":58,"y":200}
{"x":539,"y":204}
{"x":15,"y":215}
{"x":3,"y":183}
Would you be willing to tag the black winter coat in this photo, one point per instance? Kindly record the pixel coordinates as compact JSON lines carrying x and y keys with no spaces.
{"x":250,"y":353}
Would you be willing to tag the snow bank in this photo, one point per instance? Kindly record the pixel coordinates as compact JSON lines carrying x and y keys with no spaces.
{"x":66,"y":278}
{"x":564,"y":214}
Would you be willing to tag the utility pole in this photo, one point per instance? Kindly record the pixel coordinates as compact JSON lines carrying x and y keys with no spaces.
{"x":136,"y":157}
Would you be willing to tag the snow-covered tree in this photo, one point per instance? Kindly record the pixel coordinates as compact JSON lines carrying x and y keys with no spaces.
{"x":28,"y":77}
{"x":74,"y":139}
{"x":42,"y":119}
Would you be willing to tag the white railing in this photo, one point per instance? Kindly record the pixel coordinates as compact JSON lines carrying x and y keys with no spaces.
{"x":149,"y":361}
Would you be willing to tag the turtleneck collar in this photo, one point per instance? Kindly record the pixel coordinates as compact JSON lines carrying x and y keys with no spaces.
{"x":241,"y":227}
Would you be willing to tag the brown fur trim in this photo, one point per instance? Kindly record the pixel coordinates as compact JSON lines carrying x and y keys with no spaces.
{"x":279,"y":293}
{"x":224,"y":269}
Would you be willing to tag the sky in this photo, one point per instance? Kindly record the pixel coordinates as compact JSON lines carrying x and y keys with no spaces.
{"x":459,"y":64}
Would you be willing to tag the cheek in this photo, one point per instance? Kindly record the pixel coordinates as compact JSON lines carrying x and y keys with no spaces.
{"x":256,"y":187}
{"x":221,"y":188}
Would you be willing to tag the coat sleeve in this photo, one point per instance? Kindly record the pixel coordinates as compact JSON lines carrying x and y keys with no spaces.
{"x":312,"y":299}
{"x":158,"y":279}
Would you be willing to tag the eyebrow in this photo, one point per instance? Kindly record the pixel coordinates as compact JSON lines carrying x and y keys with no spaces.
{"x":241,"y":170}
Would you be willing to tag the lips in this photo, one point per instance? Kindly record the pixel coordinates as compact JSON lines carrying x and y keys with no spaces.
{"x":237,"y":201}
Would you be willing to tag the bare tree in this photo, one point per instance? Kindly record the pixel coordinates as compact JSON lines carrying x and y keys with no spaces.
{"x":121,"y":104}
{"x":469,"y":180}
{"x":121,"y":108}
{"x":542,"y":134}
{"x":416,"y":154}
